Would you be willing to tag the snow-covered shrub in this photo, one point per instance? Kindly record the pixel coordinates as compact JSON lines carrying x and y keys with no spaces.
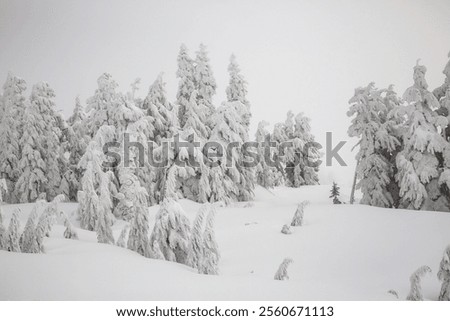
{"x":69,"y":232}
{"x":282,"y":270}
{"x":122,"y":240}
{"x":415,"y":292}
{"x":444,"y":276}
{"x":171,"y":232}
{"x":211,"y":255}
{"x":196,"y":250}
{"x":297,"y":220}
{"x":138,"y":237}
{"x":286,"y":229}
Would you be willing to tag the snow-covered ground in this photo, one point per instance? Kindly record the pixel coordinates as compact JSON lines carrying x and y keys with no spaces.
{"x":343,"y":252}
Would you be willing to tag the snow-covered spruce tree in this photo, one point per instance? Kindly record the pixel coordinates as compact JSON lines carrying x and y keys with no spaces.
{"x":204,"y":82}
{"x":28,"y":237}
{"x":237,"y":91}
{"x":97,"y":189}
{"x":186,"y":83}
{"x":122,"y":240}
{"x":442,"y":93}
{"x":70,"y":232}
{"x":138,"y":238}
{"x":32,"y":165}
{"x":225,"y":176}
{"x":335,"y":193}
{"x":194,"y":123}
{"x":418,"y":162}
{"x":171,"y":232}
{"x":196,"y":249}
{"x":297,"y":220}
{"x":12,"y":110}
{"x":286,"y":229}
{"x":211,"y":254}
{"x":281,"y":273}
{"x":161,"y":110}
{"x":41,"y":101}
{"x":237,"y":96}
{"x":374,"y":123}
{"x":302,"y":159}
{"x":105,"y":217}
{"x":267,"y":175}
{"x":415,"y":293}
{"x":78,"y":139}
{"x":13,"y":236}
{"x":444,"y":276}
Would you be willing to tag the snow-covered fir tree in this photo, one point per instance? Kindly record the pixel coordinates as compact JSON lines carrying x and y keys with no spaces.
{"x":211,"y":254}
{"x":138,"y":237}
{"x":335,"y":193}
{"x":171,"y":232}
{"x":415,"y":292}
{"x":78,"y":139}
{"x":161,"y":110}
{"x":302,"y":160}
{"x":101,"y":105}
{"x":13,"y":234}
{"x":97,"y":188}
{"x":374,"y":123}
{"x":225,"y":178}
{"x":42,"y":103}
{"x":418,"y":163}
{"x":267,"y":175}
{"x":237,"y":96}
{"x":122,"y":240}
{"x":204,"y":82}
{"x":196,"y":250}
{"x":281,"y":273}
{"x":444,"y":276}
{"x":12,"y":110}
{"x":186,"y":83}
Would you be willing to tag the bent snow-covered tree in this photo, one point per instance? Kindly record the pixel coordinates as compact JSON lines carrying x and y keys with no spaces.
{"x":415,"y":292}
{"x":281,"y":273}
{"x":13,"y":236}
{"x":211,"y":254}
{"x":196,"y":250}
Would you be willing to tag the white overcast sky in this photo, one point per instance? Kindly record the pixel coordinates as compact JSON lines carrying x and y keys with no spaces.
{"x":296,"y":55}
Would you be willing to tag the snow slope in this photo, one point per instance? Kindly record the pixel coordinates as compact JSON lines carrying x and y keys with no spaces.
{"x":343,"y":252}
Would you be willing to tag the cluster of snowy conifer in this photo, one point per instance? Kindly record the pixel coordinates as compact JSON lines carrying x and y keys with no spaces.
{"x":404,"y":144}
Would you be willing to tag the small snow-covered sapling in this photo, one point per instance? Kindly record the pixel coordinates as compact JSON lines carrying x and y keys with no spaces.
{"x":12,"y":239}
{"x":70,"y":232}
{"x":415,"y":293}
{"x":282,"y":270}
{"x":121,"y":241}
{"x":297,"y":220}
